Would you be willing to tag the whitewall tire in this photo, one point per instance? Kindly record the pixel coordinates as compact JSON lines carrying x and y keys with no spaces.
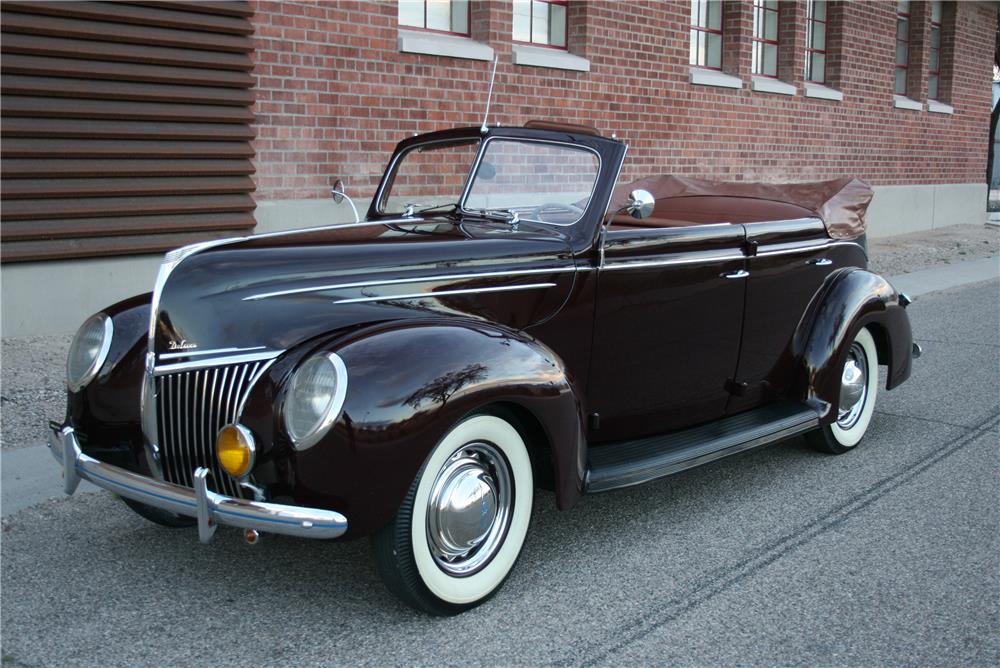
{"x":460,"y":529}
{"x":859,"y":390}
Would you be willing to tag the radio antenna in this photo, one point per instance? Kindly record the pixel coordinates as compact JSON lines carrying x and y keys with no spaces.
{"x":489,"y":96}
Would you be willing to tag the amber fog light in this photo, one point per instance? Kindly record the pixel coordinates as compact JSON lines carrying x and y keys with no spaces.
{"x":235,"y":450}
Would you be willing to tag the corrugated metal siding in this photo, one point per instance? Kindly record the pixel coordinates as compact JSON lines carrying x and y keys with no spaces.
{"x":124,"y":127}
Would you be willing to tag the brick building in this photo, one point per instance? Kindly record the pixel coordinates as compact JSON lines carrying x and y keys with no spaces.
{"x":132,"y":128}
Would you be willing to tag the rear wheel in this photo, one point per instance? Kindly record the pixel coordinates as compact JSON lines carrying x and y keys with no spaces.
{"x":462,"y":524}
{"x":858,"y":390}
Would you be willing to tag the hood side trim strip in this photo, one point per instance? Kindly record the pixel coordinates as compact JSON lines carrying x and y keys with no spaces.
{"x":415,"y":279}
{"x":444,"y":293}
{"x":198,"y":353}
{"x":216,"y":361}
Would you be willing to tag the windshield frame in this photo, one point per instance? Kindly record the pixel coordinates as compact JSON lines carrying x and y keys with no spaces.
{"x":530,"y":140}
{"x":385,"y":188}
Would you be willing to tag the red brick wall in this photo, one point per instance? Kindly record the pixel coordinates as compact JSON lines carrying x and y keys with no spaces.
{"x":334,"y":95}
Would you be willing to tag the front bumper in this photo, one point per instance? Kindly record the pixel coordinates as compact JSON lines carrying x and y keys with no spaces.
{"x":209,"y":508}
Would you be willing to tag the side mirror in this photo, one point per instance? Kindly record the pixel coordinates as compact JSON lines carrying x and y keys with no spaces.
{"x":338,"y":191}
{"x":640,"y":204}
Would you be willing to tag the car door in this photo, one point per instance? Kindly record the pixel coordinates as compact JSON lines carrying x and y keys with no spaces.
{"x":790,"y":260}
{"x":669,"y":309}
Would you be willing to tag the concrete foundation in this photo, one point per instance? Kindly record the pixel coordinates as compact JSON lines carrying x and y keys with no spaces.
{"x":42,"y":298}
{"x":904,"y":209}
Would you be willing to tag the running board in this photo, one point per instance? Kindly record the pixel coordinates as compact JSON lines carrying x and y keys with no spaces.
{"x":627,"y":463}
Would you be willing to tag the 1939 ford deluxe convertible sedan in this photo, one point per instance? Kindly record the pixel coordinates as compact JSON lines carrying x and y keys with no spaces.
{"x":506,"y":316}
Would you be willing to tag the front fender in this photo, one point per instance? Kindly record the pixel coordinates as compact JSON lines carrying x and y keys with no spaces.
{"x":106,"y":410}
{"x":408,"y":384}
{"x":849,"y":299}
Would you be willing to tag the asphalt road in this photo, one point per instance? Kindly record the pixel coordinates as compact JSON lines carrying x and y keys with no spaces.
{"x":887,"y":555}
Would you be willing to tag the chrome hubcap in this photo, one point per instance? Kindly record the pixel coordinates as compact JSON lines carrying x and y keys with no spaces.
{"x":469,"y":509}
{"x":853,"y":387}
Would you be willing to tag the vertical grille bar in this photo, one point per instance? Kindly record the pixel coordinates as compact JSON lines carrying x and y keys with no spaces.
{"x":192,"y":407}
{"x":231,"y":415}
{"x":187,"y":423}
{"x":199,"y":409}
{"x":175,"y":424}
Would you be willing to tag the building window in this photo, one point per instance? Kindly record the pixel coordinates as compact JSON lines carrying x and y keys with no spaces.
{"x":448,"y":16}
{"x":706,"y":33}
{"x":765,"y":38}
{"x":902,"y":44}
{"x":934,"y":70}
{"x":816,"y":41}
{"x":541,"y":22}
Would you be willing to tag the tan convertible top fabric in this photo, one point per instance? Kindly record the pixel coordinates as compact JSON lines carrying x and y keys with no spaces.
{"x":840,"y":203}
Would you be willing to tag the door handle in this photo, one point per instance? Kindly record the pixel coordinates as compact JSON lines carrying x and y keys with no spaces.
{"x":742,"y":273}
{"x":820,"y":261}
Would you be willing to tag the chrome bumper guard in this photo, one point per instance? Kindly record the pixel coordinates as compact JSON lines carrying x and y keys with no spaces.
{"x":209,"y":508}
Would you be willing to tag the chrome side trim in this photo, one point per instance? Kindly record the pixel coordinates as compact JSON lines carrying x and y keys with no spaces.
{"x":760,"y":253}
{"x":642,"y":264}
{"x":415,"y":279}
{"x":803,"y":247}
{"x":444,"y":293}
{"x":215,"y":351}
{"x":216,"y":361}
{"x":209,"y":507}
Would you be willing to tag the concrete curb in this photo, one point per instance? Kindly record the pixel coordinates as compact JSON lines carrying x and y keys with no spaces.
{"x":948,"y":276}
{"x":31,"y":476}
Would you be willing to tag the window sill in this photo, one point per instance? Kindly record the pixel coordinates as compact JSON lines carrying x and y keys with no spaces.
{"x":822,"y":92}
{"x":939,"y":107}
{"x":536,"y":56}
{"x":434,"y":44}
{"x":903,"y":102}
{"x":702,"y":77}
{"x":770,"y":85}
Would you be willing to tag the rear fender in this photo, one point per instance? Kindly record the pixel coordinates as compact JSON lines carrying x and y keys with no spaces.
{"x":848,"y":300}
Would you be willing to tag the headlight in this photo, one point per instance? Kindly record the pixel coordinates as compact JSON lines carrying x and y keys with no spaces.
{"x":88,"y":351}
{"x":314,"y":399}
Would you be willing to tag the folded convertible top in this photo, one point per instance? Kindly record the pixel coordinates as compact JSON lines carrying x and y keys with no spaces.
{"x":840,"y":203}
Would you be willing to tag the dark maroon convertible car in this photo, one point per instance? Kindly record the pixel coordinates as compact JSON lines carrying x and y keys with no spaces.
{"x":505,"y":317}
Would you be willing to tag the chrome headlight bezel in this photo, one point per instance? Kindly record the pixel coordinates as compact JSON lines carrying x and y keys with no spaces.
{"x":303,"y":439}
{"x":102,"y":321}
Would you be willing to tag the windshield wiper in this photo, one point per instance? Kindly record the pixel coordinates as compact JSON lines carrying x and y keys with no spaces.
{"x":434,"y":207}
{"x":511,"y":216}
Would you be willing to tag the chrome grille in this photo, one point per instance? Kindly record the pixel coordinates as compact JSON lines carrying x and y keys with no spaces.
{"x":191,"y":408}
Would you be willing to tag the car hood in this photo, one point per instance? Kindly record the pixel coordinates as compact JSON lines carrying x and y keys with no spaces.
{"x":275,"y":291}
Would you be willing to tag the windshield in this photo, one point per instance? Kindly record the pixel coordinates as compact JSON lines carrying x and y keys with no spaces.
{"x":544,"y":181}
{"x":430,"y":176}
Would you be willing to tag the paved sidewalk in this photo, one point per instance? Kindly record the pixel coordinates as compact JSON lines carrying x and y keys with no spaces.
{"x":30,"y":475}
{"x":948,"y":276}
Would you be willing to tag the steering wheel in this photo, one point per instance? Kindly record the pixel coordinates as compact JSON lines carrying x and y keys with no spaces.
{"x":557,"y":209}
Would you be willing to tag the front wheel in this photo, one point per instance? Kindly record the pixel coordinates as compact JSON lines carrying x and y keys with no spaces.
{"x":160,"y":516}
{"x":462,"y":524}
{"x":858,"y":390}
